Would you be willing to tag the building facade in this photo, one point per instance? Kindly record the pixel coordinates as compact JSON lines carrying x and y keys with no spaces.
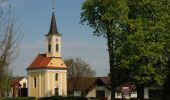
{"x":47,"y":74}
{"x":19,"y":87}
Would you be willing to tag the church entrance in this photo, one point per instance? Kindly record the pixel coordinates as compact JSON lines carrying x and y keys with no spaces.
{"x":56,"y":91}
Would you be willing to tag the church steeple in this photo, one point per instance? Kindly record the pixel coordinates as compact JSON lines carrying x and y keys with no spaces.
{"x":53,"y":26}
{"x":53,"y":40}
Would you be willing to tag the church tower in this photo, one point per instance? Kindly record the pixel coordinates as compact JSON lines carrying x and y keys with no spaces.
{"x":47,"y":74}
{"x":53,"y":40}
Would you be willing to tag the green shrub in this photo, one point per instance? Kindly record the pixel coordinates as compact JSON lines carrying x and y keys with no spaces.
{"x":74,"y":98}
{"x":51,"y":98}
{"x":20,"y":98}
{"x":155,"y":94}
{"x":62,"y":98}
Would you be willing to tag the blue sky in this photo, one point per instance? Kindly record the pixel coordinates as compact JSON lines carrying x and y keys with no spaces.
{"x":34,"y":16}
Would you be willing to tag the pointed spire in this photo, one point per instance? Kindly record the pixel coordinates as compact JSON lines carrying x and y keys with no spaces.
{"x":53,"y":26}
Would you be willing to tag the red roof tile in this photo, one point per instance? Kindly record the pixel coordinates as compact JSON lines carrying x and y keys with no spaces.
{"x":41,"y":61}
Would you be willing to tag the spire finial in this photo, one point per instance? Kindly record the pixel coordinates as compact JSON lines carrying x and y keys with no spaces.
{"x":53,"y":25}
{"x":53,"y":5}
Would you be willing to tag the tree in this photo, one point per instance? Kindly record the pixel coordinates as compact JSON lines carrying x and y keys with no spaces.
{"x":79,"y":72}
{"x":166,"y":85}
{"x":108,"y":18}
{"x":145,"y":46}
{"x":138,"y":38}
{"x":9,"y":41}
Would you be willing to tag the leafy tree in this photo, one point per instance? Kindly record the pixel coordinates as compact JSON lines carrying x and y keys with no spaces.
{"x":145,"y":46}
{"x":108,"y":18}
{"x":79,"y":73}
{"x":138,"y":38}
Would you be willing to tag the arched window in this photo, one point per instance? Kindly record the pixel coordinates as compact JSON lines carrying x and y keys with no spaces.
{"x":49,"y":47}
{"x":34,"y":82}
{"x":56,"y":76}
{"x":57,"y":47}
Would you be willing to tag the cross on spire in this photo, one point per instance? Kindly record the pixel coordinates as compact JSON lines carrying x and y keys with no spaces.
{"x":53,"y":5}
{"x":53,"y":26}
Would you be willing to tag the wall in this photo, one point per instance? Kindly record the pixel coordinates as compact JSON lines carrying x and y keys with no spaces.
{"x":92,"y":93}
{"x":24,"y":80}
{"x":46,"y":83}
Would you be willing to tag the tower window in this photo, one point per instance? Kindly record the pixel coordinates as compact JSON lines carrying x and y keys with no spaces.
{"x":49,"y":47}
{"x":56,"y":47}
{"x":56,"y":76}
{"x":34,"y":82}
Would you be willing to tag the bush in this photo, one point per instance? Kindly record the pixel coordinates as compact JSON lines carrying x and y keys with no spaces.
{"x":74,"y":98}
{"x":155,"y":94}
{"x":20,"y":98}
{"x":62,"y":98}
{"x":133,"y":99}
{"x":51,"y":98}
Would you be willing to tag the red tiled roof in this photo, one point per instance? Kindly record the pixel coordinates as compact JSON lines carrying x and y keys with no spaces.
{"x":41,"y":61}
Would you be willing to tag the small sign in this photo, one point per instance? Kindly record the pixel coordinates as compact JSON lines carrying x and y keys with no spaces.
{"x":125,"y":91}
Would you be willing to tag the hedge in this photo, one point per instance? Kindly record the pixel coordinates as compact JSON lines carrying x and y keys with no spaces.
{"x":20,"y":98}
{"x":62,"y":98}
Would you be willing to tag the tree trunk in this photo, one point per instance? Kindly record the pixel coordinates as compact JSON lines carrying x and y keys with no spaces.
{"x":111,"y":50}
{"x":140,"y":92}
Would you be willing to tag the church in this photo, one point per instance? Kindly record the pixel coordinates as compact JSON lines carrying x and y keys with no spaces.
{"x":47,"y":74}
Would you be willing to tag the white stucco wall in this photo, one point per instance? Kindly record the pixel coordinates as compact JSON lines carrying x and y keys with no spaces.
{"x":24,"y":80}
{"x":92,"y":93}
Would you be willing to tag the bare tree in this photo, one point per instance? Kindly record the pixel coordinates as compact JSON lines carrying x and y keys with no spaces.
{"x":77,"y":68}
{"x":79,"y":73}
{"x":9,"y":40}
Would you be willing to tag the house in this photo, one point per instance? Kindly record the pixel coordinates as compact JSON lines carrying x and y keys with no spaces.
{"x":47,"y":74}
{"x":99,"y":87}
{"x":19,"y":87}
{"x":95,"y":87}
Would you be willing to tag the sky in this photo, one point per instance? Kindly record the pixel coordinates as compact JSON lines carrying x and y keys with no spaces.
{"x":33,"y":19}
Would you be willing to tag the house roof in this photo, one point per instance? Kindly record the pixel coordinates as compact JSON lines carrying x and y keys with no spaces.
{"x":84,"y":84}
{"x":105,"y":81}
{"x":87,"y":83}
{"x":41,"y":61}
{"x":16,"y":80}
